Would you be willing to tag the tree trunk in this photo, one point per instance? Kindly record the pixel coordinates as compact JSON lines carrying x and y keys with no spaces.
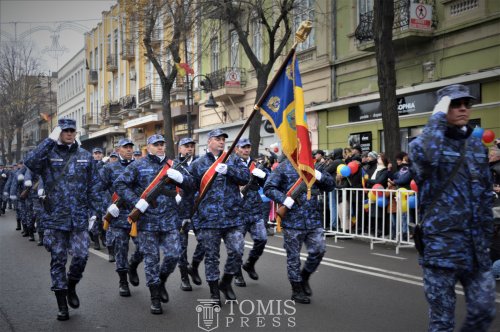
{"x":2,"y":147}
{"x":256,"y":123}
{"x":167,"y":123}
{"x":19,"y":134}
{"x":9,"y":151}
{"x":383,"y":21}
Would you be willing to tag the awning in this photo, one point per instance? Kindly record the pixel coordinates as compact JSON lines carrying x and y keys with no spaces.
{"x":142,"y":120}
{"x":108,"y":131}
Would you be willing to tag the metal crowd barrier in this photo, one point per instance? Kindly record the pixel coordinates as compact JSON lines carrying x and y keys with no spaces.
{"x":380,"y":216}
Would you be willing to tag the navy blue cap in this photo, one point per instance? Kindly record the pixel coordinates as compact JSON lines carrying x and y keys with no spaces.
{"x":137,"y":153}
{"x":125,"y":141}
{"x":155,"y":138}
{"x":67,"y":124}
{"x":243,"y":142}
{"x":186,"y":140}
{"x":94,"y":150}
{"x":216,"y":133}
{"x":454,"y":91}
{"x":113,"y":154}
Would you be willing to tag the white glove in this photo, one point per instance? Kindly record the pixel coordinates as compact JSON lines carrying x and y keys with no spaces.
{"x":20,"y":177}
{"x":28,"y":183}
{"x":54,"y":135}
{"x":178,"y":199}
{"x":4,"y":175}
{"x":288,"y":202}
{"x":142,"y":205}
{"x":40,"y":192}
{"x":221,"y":168}
{"x":442,"y":106}
{"x":318,"y":175}
{"x":259,"y":173}
{"x":6,"y":194}
{"x":92,"y":221}
{"x":13,"y":197}
{"x":114,"y":210}
{"x":175,"y":175}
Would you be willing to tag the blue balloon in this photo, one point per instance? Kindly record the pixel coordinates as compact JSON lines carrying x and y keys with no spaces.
{"x":412,"y":201}
{"x":382,"y":202}
{"x":478,"y":132}
{"x":345,"y":171}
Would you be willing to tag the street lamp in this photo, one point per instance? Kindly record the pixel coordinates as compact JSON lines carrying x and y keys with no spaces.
{"x":211,"y":103}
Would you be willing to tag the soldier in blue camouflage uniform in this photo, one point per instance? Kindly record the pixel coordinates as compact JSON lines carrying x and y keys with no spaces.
{"x":71,"y":184}
{"x":117,"y":236}
{"x":157,"y":226}
{"x":301,"y":225}
{"x":218,"y":214}
{"x":3,"y":180}
{"x":6,"y":192}
{"x":97,"y":233}
{"x":458,"y":227}
{"x":251,"y":212}
{"x":16,"y":187}
{"x":31,"y":183}
{"x":185,"y":201}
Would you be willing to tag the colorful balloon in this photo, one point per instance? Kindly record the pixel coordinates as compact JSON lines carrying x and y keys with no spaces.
{"x":413,"y":186}
{"x":382,"y":202}
{"x":354,"y":166}
{"x":345,"y":171}
{"x":339,"y":167}
{"x":488,"y":136}
{"x":376,"y":188}
{"x":372,"y":197}
{"x":478,"y":132}
{"x":412,"y":201}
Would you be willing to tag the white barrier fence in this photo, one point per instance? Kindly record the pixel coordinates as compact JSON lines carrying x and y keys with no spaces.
{"x":380,"y":216}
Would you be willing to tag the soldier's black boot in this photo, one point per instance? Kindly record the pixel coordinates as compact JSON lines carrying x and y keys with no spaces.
{"x":111,"y":254}
{"x":185,"y":284}
{"x":226,"y":288}
{"x":163,"y":290}
{"x":73,"y":300}
{"x":298,"y":294}
{"x":305,"y":282}
{"x":239,"y":280}
{"x":214,"y":292}
{"x":31,"y":234}
{"x":133,"y":277}
{"x":193,"y":272}
{"x":62,"y":304}
{"x":40,"y":239}
{"x":249,"y":266}
{"x":123,"y":287}
{"x":24,"y":232}
{"x":155,"y":300}
{"x":18,"y":227}
{"x":97,"y":244}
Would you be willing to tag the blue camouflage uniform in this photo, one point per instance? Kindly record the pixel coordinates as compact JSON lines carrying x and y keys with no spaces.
{"x":71,"y":200}
{"x":302,"y":224}
{"x":218,"y":214}
{"x":6,"y":188}
{"x":118,"y":233}
{"x":16,"y":187}
{"x":32,"y":199}
{"x":456,"y":239}
{"x":3,"y":181}
{"x":157,"y":227}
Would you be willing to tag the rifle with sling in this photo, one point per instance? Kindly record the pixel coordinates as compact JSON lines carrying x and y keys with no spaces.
{"x":152,"y":191}
{"x":253,"y":180}
{"x":24,"y":194}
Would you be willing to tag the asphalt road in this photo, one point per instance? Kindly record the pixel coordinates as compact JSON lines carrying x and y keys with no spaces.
{"x":354,"y":289}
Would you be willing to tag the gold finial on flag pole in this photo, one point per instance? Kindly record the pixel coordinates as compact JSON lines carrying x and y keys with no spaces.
{"x":303,"y":31}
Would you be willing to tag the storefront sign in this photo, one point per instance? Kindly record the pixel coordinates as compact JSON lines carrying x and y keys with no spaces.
{"x":411,"y":104}
{"x":363,"y":139}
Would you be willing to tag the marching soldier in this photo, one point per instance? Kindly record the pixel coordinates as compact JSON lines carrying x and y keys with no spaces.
{"x":97,"y":232}
{"x":117,"y":235}
{"x":251,"y":212}
{"x":16,"y":187}
{"x":3,"y":181}
{"x":71,"y":184}
{"x":218,"y":213}
{"x":301,"y":225}
{"x":157,"y":226}
{"x":30,"y":193}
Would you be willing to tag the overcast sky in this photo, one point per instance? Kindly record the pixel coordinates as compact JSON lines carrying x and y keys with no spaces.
{"x":20,"y":17}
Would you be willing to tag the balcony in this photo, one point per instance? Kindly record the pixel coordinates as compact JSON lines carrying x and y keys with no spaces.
{"x":109,"y":113}
{"x":128,"y":51}
{"x":181,"y":111}
{"x":128,"y":106}
{"x":150,"y":96}
{"x":228,"y":81}
{"x":112,"y":62}
{"x":93,"y":77}
{"x":90,"y":123}
{"x":404,"y":28}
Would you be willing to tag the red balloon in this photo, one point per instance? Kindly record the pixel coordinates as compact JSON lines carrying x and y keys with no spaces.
{"x":488,"y":136}
{"x":413,"y":186}
{"x":376,"y":188}
{"x":276,"y":149}
{"x":354,"y":166}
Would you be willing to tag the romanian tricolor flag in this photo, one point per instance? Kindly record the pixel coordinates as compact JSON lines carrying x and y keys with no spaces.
{"x":183,"y":69}
{"x":45,"y":116}
{"x":284,"y":108}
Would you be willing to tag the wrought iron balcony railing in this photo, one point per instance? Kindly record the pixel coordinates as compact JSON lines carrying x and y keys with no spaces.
{"x":112,"y":62}
{"x":150,"y":93}
{"x":228,"y":77}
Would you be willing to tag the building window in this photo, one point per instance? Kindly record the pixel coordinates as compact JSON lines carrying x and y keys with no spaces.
{"x":304,"y":12}
{"x":214,"y":52}
{"x":235,"y":45}
{"x":364,"y":6}
{"x":257,"y":38}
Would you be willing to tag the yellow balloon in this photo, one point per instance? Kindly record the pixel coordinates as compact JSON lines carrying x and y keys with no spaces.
{"x":404,"y":193}
{"x":372,"y":197}
{"x":339,"y":167}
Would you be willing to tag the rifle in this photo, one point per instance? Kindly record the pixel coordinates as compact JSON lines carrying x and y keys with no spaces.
{"x":120,"y":203}
{"x":253,"y":180}
{"x":24,"y":194}
{"x":152,"y":191}
{"x":298,"y":188}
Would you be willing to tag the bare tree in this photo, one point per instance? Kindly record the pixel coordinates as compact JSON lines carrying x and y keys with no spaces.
{"x":18,"y":77}
{"x":275,"y":21}
{"x":176,"y":19}
{"x":383,"y":12}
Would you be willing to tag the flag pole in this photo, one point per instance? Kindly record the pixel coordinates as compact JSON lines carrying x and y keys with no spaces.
{"x":300,"y":36}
